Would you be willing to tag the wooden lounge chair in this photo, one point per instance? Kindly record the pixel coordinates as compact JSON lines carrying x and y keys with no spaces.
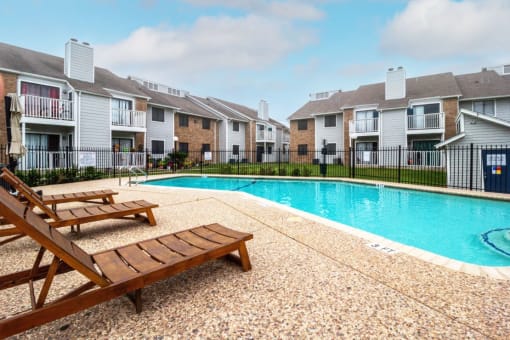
{"x":77,"y":216}
{"x":108,"y":274}
{"x":105,"y":196}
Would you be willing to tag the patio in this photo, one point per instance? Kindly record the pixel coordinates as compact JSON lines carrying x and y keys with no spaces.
{"x":308,"y":280}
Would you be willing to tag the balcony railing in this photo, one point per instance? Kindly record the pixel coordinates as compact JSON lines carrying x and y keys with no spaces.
{"x":425,"y":158}
{"x":364,"y":125}
{"x":47,"y":108}
{"x":265,"y":136}
{"x":37,"y":158}
{"x":128,"y":118}
{"x":425,"y":121}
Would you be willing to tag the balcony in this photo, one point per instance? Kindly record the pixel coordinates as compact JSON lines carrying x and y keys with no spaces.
{"x":128,"y":118}
{"x":47,"y":108}
{"x":426,"y":122}
{"x":364,"y":127}
{"x":266,"y":136}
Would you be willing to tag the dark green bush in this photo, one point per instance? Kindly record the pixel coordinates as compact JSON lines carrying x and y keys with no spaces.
{"x":296,"y":172}
{"x":282,"y":172}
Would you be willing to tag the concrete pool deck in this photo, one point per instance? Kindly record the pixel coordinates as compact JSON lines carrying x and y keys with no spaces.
{"x":309,"y":279}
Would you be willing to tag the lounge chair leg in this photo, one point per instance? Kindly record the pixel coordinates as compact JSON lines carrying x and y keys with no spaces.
{"x":138,"y":301}
{"x":136,"y":298}
{"x":72,"y":228}
{"x":245,"y":259}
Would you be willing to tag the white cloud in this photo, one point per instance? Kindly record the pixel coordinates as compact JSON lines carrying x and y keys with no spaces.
{"x":429,"y":29}
{"x":210,"y":44}
{"x":289,"y":9}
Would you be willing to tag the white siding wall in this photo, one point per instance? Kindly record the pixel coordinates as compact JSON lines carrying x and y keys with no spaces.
{"x":222,"y":134}
{"x":79,"y":61}
{"x":503,"y":109}
{"x":161,"y":130}
{"x":393,"y":129}
{"x":237,"y":137}
{"x":95,"y":121}
{"x":477,"y":132}
{"x":331,"y":135}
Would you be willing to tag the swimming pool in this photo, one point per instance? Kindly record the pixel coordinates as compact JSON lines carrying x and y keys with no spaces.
{"x":447,"y":225}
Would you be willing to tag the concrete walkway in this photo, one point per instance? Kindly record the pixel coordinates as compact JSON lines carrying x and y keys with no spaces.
{"x":308,"y":280}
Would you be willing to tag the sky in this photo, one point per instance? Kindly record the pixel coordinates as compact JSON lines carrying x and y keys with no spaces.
{"x":277,"y":50}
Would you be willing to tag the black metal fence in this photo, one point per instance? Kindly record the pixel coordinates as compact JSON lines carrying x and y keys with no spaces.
{"x":466,"y":167}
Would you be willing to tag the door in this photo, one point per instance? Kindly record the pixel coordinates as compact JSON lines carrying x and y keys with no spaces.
{"x":495,"y":170}
{"x":260,"y":153}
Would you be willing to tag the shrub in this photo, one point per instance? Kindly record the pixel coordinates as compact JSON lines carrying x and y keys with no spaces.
{"x":90,"y":172}
{"x":267,"y":171}
{"x":226,"y":169}
{"x":296,"y":172}
{"x":282,"y":172}
{"x":307,"y":172}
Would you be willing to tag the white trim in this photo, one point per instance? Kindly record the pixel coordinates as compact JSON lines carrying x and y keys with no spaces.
{"x":485,"y":117}
{"x":322,"y":114}
{"x":117,"y":93}
{"x":450,"y":140}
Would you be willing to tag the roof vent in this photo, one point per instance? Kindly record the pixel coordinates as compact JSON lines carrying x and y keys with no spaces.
{"x":390,"y":69}
{"x":86,"y":43}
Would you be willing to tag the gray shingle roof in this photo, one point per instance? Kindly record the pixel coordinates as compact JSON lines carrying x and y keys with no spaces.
{"x":332,"y":104}
{"x":22,"y":60}
{"x":221,"y":109}
{"x":483,"y":85}
{"x":249,"y":112}
{"x":437,"y":85}
{"x":181,"y":104}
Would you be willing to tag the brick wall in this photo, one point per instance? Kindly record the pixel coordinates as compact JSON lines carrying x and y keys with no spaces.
{"x":298,"y":137}
{"x":193,"y":134}
{"x":141,"y":104}
{"x":10,"y":81}
{"x":450,"y":109}
{"x":348,"y":116}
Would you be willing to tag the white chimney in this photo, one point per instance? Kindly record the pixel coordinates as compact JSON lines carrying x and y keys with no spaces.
{"x":263,"y":112}
{"x":79,"y":61}
{"x":395,"y":83}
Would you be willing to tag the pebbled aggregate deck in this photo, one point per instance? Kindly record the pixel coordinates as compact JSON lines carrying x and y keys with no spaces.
{"x":309,"y":280}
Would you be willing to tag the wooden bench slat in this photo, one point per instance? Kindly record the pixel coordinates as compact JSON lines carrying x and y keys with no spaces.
{"x":212,"y":235}
{"x":229,"y":232}
{"x":112,"y":266}
{"x":196,"y":240}
{"x":160,"y":252}
{"x":179,"y":246}
{"x":138,"y":259}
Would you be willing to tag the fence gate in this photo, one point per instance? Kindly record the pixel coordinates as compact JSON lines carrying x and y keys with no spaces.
{"x":495,"y":170}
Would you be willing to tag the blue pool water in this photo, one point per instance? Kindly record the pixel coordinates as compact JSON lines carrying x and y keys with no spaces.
{"x":447,"y":225}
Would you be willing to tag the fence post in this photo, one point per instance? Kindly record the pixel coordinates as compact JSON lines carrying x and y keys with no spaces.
{"x":67,"y":158}
{"x":471,"y":166}
{"x":279,"y":155}
{"x":201,"y":162}
{"x":399,"y":161}
{"x":353,"y":161}
{"x":114,"y":163}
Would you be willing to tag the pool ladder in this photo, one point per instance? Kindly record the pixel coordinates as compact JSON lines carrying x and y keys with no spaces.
{"x":132,"y":170}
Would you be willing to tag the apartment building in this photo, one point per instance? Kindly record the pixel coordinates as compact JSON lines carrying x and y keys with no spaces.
{"x":414,"y":113}
{"x":68,"y":102}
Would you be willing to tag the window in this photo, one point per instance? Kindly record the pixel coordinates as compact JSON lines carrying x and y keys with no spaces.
{"x":39,"y":90}
{"x":158,"y":114}
{"x":302,"y":149}
{"x":120,"y":112}
{"x":235,"y":149}
{"x":183,"y":147}
{"x":370,"y":114}
{"x":269,"y":149}
{"x":424,"y":109}
{"x":122,"y":144}
{"x":157,"y":146}
{"x":366,"y":146}
{"x":331,"y":148}
{"x":206,"y":123}
{"x":302,"y":124}
{"x":235,"y":126}
{"x":330,"y":121}
{"x":183,"y":120}
{"x":484,"y":106}
{"x":206,"y":147}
